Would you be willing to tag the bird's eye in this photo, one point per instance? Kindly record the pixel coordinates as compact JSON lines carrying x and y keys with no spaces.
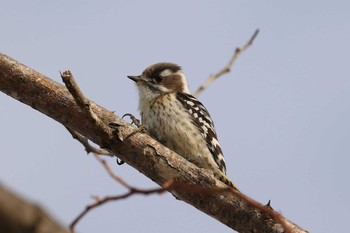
{"x":158,"y":79}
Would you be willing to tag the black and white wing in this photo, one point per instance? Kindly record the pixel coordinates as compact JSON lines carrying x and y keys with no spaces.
{"x":201,"y":118}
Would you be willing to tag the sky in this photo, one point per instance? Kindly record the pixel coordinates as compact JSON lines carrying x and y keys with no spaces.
{"x":282,"y":114}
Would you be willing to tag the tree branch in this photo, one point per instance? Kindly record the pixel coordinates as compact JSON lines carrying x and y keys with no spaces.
{"x":17,"y":215}
{"x":140,"y":151}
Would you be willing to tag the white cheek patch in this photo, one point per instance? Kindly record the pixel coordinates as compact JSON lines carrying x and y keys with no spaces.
{"x":184,"y":81}
{"x":166,"y":72}
{"x":163,"y":89}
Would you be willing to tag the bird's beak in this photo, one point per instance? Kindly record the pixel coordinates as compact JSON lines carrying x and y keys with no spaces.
{"x":134,"y":78}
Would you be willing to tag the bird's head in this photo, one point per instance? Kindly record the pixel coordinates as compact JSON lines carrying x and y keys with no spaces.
{"x":161,"y":78}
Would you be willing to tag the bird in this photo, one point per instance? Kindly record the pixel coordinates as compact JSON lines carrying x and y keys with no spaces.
{"x":177,"y":119}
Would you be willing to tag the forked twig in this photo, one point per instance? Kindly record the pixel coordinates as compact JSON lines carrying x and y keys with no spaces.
{"x":131,"y":191}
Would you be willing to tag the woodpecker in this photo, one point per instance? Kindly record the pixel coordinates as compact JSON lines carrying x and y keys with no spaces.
{"x":177,"y":119}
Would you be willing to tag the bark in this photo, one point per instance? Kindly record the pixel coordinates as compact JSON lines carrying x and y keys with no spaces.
{"x":140,"y":151}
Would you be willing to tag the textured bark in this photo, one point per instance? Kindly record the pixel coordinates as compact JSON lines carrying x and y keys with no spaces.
{"x":140,"y":151}
{"x":19,"y":216}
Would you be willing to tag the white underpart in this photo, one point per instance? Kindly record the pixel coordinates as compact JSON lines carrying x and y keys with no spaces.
{"x":172,"y":126}
{"x":146,"y":96}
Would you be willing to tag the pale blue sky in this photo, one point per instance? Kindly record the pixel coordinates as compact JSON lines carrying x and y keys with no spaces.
{"x":282,"y":114}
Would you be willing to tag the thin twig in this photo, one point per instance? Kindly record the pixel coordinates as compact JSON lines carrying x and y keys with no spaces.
{"x":228,"y":67}
{"x":113,"y":175}
{"x":131,"y":191}
{"x":111,"y":198}
{"x":73,"y":88}
{"x":88,"y":147}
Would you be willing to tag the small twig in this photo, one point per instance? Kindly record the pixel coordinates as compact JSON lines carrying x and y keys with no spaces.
{"x":131,"y":191}
{"x":81,"y":100}
{"x":85,"y":142}
{"x":73,"y":88}
{"x":113,"y":175}
{"x":111,"y":198}
{"x":228,"y":67}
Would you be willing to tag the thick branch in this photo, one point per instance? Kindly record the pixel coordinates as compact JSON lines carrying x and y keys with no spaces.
{"x":139,"y":150}
{"x":17,"y":215}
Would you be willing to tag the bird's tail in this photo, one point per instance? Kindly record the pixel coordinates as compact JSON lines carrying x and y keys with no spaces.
{"x":223,"y":178}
